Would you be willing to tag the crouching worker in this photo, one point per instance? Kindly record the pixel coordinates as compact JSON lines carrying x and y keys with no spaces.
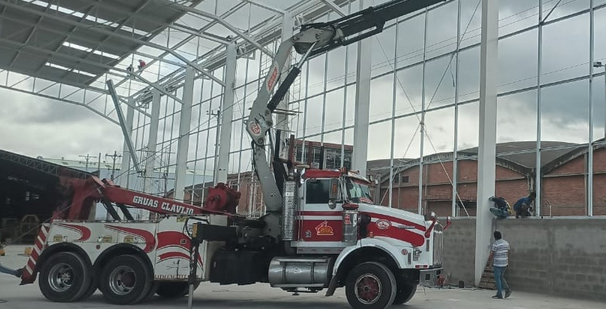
{"x":523,"y":206}
{"x":501,"y":208}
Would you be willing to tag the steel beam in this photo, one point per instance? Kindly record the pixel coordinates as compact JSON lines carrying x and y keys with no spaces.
{"x":227,"y":112}
{"x":362,"y":109}
{"x":183,"y":42}
{"x":35,"y":50}
{"x":116,"y":35}
{"x":102,"y":42}
{"x":126,"y":129}
{"x":333,"y":6}
{"x":228,"y":26}
{"x":489,"y":66}
{"x":152,"y":142}
{"x":197,"y":33}
{"x":124,"y":176}
{"x":183,"y":139}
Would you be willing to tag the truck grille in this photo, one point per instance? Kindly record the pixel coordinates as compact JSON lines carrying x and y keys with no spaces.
{"x":438,"y":245}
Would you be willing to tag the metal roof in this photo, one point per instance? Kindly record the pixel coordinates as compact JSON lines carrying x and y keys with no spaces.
{"x":77,"y":41}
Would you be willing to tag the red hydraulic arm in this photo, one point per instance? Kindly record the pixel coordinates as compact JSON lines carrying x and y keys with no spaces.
{"x":85,"y":193}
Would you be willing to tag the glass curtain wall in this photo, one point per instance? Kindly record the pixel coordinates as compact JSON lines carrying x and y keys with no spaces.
{"x":425,"y":105}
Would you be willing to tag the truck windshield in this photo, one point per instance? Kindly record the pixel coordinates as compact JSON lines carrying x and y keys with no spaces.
{"x":358,"y":191}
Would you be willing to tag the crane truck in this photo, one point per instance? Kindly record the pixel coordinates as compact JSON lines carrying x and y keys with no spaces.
{"x":320,"y":231}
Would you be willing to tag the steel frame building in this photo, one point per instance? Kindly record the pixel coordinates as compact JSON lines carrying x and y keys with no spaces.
{"x":185,"y":108}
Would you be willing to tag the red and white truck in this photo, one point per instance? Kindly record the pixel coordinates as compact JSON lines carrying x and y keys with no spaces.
{"x":321,"y":230}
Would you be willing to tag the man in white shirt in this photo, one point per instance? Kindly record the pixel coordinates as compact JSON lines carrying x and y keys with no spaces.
{"x":499,"y":255}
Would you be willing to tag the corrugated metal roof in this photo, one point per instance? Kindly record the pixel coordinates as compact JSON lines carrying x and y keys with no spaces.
{"x":60,"y":40}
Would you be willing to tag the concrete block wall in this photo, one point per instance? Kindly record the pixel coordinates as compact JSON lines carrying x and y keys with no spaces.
{"x":564,"y":257}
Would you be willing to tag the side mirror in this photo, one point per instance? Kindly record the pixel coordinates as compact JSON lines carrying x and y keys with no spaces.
{"x":333,"y":193}
{"x":334,"y":189}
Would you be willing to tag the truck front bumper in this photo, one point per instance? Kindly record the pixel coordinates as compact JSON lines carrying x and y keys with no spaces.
{"x":429,"y":277}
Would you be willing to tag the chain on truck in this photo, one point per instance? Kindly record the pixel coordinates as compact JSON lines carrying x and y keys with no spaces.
{"x":321,"y":230}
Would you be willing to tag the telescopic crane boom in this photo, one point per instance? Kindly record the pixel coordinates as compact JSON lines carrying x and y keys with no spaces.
{"x":313,"y":39}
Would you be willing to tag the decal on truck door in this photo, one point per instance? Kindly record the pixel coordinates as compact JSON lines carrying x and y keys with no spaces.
{"x":323,"y":229}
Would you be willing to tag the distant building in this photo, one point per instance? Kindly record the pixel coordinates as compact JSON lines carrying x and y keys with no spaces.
{"x":563,"y":181}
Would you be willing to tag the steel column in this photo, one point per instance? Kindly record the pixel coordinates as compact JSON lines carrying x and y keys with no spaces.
{"x":489,"y":66}
{"x":123,"y":177}
{"x":126,"y":128}
{"x":538,"y":163}
{"x":152,"y":142}
{"x":393,"y":121}
{"x":455,"y":152}
{"x":590,"y":114}
{"x":227,"y":112}
{"x":183,"y":139}
{"x":362,"y":109}
{"x":422,"y":124}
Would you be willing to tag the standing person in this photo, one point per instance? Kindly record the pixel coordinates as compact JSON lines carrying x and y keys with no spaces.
{"x":499,"y":255}
{"x":523,"y":206}
{"x":501,"y":209}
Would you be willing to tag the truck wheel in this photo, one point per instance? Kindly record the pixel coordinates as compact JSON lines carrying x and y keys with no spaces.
{"x":64,"y":277}
{"x":405,"y":292}
{"x":174,"y":289}
{"x":91,"y":290}
{"x":370,"y":285}
{"x":125,"y":280}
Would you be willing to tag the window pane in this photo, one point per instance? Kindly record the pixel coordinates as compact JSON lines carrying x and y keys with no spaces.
{"x":317,"y":191}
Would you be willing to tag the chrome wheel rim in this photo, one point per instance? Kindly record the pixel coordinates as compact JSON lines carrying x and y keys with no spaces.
{"x":61,"y":277}
{"x":368,"y":289}
{"x":122,"y":280}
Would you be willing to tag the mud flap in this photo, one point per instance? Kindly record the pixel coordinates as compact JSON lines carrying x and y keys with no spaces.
{"x":332,"y":286}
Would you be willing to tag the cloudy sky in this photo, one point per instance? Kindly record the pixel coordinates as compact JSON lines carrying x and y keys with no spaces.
{"x":37,"y":126}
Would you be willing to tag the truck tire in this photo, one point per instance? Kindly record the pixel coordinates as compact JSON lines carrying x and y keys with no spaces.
{"x":64,"y":277}
{"x":405,"y":292}
{"x":370,"y":285}
{"x":125,"y":280}
{"x":91,"y":290}
{"x":174,"y":289}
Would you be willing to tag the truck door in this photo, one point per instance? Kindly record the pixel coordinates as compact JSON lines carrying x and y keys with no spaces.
{"x":317,"y":219}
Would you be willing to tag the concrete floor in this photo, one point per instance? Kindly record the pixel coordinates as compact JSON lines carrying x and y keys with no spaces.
{"x":13,"y":296}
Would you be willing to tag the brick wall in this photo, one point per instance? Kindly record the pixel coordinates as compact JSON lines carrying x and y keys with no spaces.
{"x":551,"y":256}
{"x":437,"y":190}
{"x":563,"y":189}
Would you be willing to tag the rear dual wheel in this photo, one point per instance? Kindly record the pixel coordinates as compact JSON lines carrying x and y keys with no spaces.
{"x":126,"y":280}
{"x":65,"y":277}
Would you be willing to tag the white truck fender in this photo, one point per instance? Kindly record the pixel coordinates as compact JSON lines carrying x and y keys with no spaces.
{"x":377,"y":242}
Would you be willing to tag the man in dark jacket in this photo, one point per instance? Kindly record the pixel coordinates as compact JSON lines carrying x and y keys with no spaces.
{"x":523,"y":206}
